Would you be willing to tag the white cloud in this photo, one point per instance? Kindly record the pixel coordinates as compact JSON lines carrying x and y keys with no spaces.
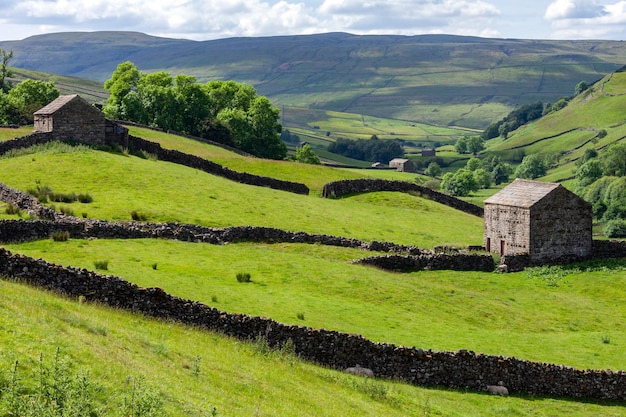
{"x":574,"y":9}
{"x":578,"y":19}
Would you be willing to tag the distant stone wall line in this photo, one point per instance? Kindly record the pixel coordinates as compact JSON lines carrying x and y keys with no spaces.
{"x":177,"y":157}
{"x":464,"y":369}
{"x":340,"y":188}
{"x":192,"y":161}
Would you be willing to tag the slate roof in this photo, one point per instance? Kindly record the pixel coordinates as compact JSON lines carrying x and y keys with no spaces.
{"x":56,"y":104}
{"x":522,"y":193}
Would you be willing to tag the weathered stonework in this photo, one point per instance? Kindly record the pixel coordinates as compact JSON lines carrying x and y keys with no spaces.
{"x":542,"y":220}
{"x":71,"y":118}
{"x":339,"y":188}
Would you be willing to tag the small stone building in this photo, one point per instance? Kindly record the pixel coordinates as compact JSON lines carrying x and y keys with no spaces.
{"x":429,"y":152}
{"x":72,"y":118}
{"x":402,"y":165}
{"x":543,"y":220}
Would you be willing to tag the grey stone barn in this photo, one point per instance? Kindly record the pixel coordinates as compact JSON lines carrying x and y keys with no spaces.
{"x":71,"y":118}
{"x":402,"y":165}
{"x":543,"y":220}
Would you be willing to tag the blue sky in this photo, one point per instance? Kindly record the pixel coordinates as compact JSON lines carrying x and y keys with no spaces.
{"x":213,"y":19}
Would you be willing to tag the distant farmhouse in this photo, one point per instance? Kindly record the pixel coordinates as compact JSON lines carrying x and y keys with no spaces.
{"x":543,"y":220}
{"x":429,"y":152}
{"x":402,"y":165}
{"x":72,"y":118}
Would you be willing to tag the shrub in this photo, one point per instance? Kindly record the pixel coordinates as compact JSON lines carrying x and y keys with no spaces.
{"x":243,"y":277}
{"x":67,"y":211}
{"x":615,"y":228}
{"x":102,"y":265}
{"x":85,"y":198}
{"x":138,"y":216}
{"x":11,"y":209}
{"x":61,"y":236}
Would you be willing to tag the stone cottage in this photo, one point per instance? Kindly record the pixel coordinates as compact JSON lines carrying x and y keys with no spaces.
{"x":402,"y":165}
{"x":543,"y":220}
{"x":72,"y":118}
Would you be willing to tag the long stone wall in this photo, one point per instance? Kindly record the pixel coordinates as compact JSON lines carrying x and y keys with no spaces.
{"x":192,"y":161}
{"x":437,"y":261}
{"x":458,"y":370}
{"x":343,"y":187}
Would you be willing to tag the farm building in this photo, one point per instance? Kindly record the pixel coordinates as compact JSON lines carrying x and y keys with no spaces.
{"x":544,"y":220}
{"x":73,"y":118}
{"x":402,"y":165}
{"x":429,"y":152}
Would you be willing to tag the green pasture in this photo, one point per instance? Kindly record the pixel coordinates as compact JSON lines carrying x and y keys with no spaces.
{"x":165,"y":192}
{"x":195,"y":371}
{"x":552,"y":316}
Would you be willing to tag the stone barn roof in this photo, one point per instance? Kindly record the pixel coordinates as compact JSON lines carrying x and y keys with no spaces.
{"x":56,"y":104}
{"x":522,"y":193}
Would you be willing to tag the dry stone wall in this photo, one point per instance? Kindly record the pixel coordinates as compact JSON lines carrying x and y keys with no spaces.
{"x":437,"y":261}
{"x":459,"y":370}
{"x":343,"y":187}
{"x":192,"y":161}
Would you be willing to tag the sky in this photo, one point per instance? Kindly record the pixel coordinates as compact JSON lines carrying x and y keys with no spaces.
{"x":216,"y":19}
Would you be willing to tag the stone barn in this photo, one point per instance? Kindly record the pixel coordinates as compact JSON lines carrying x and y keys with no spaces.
{"x":71,"y":118}
{"x":543,"y":220}
{"x":402,"y":165}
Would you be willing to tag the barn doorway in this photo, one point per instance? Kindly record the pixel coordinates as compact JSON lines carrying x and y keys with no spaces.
{"x":488,"y":244}
{"x":502,"y":247}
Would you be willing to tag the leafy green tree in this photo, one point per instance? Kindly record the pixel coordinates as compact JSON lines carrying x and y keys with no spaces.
{"x":482,"y":178}
{"x":5,"y":72}
{"x":123,"y":80}
{"x":614,"y":160}
{"x":532,"y":166}
{"x":28,"y":97}
{"x":501,"y":173}
{"x":589,"y":172}
{"x":433,"y":170}
{"x":580,"y":87}
{"x":307,"y":155}
{"x":615,"y":228}
{"x":461,"y":145}
{"x":460,"y":184}
{"x":473,"y":164}
{"x":475,"y":144}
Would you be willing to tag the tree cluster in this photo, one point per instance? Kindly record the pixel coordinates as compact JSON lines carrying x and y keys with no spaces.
{"x":477,"y":174}
{"x":601,"y":180}
{"x":473,"y":145}
{"x":371,"y":150}
{"x":513,"y":120}
{"x":17,"y":104}
{"x":225,"y":111}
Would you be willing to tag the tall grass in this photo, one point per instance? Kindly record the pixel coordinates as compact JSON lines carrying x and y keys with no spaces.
{"x":116,"y":349}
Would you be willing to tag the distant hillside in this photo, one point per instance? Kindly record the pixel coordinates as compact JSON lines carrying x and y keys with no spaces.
{"x":592,"y":120}
{"x":435,"y":79}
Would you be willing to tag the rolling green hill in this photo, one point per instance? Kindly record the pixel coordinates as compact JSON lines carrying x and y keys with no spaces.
{"x":568,"y":132}
{"x":433,"y":79}
{"x":564,"y":316}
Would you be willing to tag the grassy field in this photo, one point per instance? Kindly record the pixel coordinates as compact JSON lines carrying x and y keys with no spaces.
{"x":572,"y":317}
{"x":196,"y":371}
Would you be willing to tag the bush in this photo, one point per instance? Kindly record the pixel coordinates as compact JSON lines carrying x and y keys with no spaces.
{"x":85,"y":198}
{"x":61,"y":236}
{"x":138,"y":216}
{"x":615,"y":228}
{"x":102,"y":265}
{"x":243,"y":277}
{"x":11,"y":209}
{"x":67,"y":211}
